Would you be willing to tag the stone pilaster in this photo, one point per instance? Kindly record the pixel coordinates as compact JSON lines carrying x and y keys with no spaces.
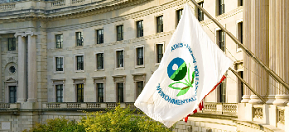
{"x":32,"y":69}
{"x":21,"y":89}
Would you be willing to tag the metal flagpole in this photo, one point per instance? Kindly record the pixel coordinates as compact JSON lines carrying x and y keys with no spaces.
{"x":255,"y":58}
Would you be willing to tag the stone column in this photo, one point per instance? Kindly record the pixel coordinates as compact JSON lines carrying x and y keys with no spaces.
{"x":279,"y":48}
{"x":21,"y":89}
{"x":32,"y":69}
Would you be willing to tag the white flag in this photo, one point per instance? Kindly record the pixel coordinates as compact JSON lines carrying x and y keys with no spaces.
{"x":191,"y":66}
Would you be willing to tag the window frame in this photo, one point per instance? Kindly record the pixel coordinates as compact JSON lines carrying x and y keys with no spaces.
{"x":116,"y":59}
{"x":55,"y":64}
{"x":79,"y":39}
{"x":96,"y":57}
{"x":13,"y":44}
{"x":56,"y":41}
{"x":220,"y":7}
{"x":56,"y":93}
{"x":98,"y":94}
{"x":76,"y":63}
{"x":97,"y":80}
{"x":240,"y":34}
{"x":137,"y":56}
{"x":82,"y":92}
{"x":99,"y":38}
{"x":119,"y":32}
{"x":178,"y":16}
{"x":159,"y":24}
{"x":218,"y":32}
{"x":157,"y":52}
{"x":139,"y":31}
{"x":14,"y":92}
{"x":200,"y":12}
{"x":117,"y":92}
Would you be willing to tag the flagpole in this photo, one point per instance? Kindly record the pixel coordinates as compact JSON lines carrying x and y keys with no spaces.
{"x":251,"y":54}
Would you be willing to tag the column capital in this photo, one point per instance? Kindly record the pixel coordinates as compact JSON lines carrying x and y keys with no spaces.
{"x":22,"y":34}
{"x":29,"y":33}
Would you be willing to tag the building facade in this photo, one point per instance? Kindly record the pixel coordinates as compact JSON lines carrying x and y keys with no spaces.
{"x":61,"y":57}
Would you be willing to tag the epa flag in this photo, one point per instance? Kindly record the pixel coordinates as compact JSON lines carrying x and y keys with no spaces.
{"x":190,"y":68}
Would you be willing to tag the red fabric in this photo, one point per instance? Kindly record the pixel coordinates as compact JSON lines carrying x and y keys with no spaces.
{"x":201,"y":105}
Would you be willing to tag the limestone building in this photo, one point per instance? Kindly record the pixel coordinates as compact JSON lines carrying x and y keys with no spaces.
{"x":61,"y":57}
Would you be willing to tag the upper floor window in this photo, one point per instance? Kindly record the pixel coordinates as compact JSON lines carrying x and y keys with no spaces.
{"x":59,"y":93}
{"x":119,"y":32}
{"x":119,"y":57}
{"x":12,"y":94}
{"x":79,"y":39}
{"x":79,"y":63}
{"x":221,"y":39}
{"x":80,"y":92}
{"x":159,"y":24}
{"x":159,"y":48}
{"x":59,"y":40}
{"x":59,"y":63}
{"x":139,"y":56}
{"x":99,"y":60}
{"x":11,"y":44}
{"x":179,"y":15}
{"x":99,"y":36}
{"x":240,"y":2}
{"x":100,"y":92}
{"x":221,"y":7}
{"x":200,"y":12}
{"x":139,"y":28}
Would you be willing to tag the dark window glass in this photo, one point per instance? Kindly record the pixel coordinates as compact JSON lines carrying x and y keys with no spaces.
{"x":139,"y":87}
{"x":79,"y":39}
{"x":80,"y":93}
{"x":79,"y":62}
{"x":119,"y":55}
{"x":99,"y":92}
{"x":200,"y":12}
{"x":99,"y":61}
{"x":59,"y":93}
{"x":240,"y":30}
{"x":11,"y":44}
{"x":159,"y":52}
{"x":179,"y":15}
{"x":222,"y":92}
{"x":159,"y":24}
{"x":59,"y":63}
{"x":119,"y":92}
{"x":139,"y":28}
{"x":221,"y":39}
{"x":119,"y":32}
{"x":12,"y":69}
{"x":221,"y":7}
{"x":99,"y":35}
{"x":59,"y":40}
{"x":240,"y":3}
{"x":12,"y":94}
{"x":139,"y":59}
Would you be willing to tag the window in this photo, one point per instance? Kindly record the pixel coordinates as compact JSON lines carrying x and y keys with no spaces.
{"x":119,"y":92}
{"x":79,"y":63}
{"x":139,"y":28}
{"x":12,"y":94}
{"x":200,"y":12}
{"x":119,"y":32}
{"x":240,"y":32}
{"x":159,"y":48}
{"x":59,"y":63}
{"x":99,"y":36}
{"x":59,"y":93}
{"x":240,"y":2}
{"x":99,"y":58}
{"x":221,"y":7}
{"x":99,"y":92}
{"x":59,"y":40}
{"x":241,"y":86}
{"x":222,"y":92}
{"x":139,"y":56}
{"x":119,"y":57}
{"x":159,"y":24}
{"x":139,"y":87}
{"x":221,"y":39}
{"x":80,"y":92}
{"x":11,"y":44}
{"x":179,"y":15}
{"x":79,"y":39}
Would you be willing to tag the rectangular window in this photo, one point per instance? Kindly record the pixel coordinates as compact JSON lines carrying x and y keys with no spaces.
{"x":139,"y":28}
{"x":59,"y":93}
{"x":159,"y":24}
{"x":240,"y":2}
{"x":221,"y":7}
{"x":222,"y":92}
{"x":139,"y":56}
{"x":119,"y":92}
{"x":119,"y":32}
{"x":99,"y":36}
{"x":179,"y":15}
{"x":159,"y":48}
{"x":12,"y":94}
{"x":119,"y":57}
{"x":59,"y":40}
{"x":139,"y":87}
{"x":79,"y":63}
{"x":59,"y":63}
{"x":99,"y":92}
{"x":79,"y":39}
{"x":99,"y":60}
{"x":240,"y":32}
{"x":200,"y":12}
{"x":11,"y":44}
{"x":80,"y":92}
{"x":221,"y":39}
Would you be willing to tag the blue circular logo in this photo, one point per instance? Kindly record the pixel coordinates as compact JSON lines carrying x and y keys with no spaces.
{"x":177,"y":69}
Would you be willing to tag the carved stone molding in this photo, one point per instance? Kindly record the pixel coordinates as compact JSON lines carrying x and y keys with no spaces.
{"x":139,"y":77}
{"x":78,"y":80}
{"x":99,"y":79}
{"x":58,"y":81}
{"x":119,"y":78}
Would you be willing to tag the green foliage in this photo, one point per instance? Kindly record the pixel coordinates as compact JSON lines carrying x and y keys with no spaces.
{"x":116,"y":120}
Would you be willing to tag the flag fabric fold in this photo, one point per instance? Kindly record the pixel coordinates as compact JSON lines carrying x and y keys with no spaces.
{"x":190,"y":68}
